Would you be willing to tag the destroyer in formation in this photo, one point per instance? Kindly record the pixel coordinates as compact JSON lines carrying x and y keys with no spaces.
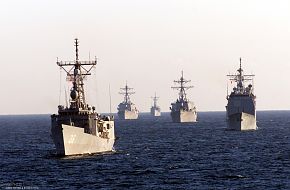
{"x":183,"y":110}
{"x":78,"y":129}
{"x":127,"y":109}
{"x":155,"y":109}
{"x":241,"y":107}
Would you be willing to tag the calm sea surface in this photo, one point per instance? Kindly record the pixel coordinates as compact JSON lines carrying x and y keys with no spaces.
{"x":152,"y":153}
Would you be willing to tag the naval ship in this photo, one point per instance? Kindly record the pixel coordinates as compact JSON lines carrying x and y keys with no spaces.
{"x":78,"y":128}
{"x":241,"y":107}
{"x":155,"y":109}
{"x":127,"y":109}
{"x":183,"y":110}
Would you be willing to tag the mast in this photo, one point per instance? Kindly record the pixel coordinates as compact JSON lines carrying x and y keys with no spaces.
{"x":155,"y":98}
{"x":240,"y":78}
{"x":182,"y":87}
{"x":77,"y":72}
{"x":126,"y":92}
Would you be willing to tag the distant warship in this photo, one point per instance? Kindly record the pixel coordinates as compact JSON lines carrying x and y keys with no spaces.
{"x":183,"y":110}
{"x":155,"y":109}
{"x":127,"y":109}
{"x":78,"y":129}
{"x":241,"y":107}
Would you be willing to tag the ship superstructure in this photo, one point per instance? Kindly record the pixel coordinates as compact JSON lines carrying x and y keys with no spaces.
{"x":78,"y":128}
{"x":127,"y":109}
{"x":183,"y":110}
{"x":241,"y":107}
{"x":155,"y":109}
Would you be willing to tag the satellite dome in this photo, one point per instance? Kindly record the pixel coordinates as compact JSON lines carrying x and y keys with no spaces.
{"x":74,"y":94}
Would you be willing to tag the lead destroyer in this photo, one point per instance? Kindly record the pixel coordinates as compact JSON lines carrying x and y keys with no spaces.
{"x":183,"y":110}
{"x":155,"y":109}
{"x":127,"y":109}
{"x":241,"y":107}
{"x":78,"y":129}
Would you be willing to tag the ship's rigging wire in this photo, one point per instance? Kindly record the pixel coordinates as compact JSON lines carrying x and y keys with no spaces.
{"x":110,"y":99}
{"x":60,"y":84}
{"x":66,"y":100}
{"x":95,"y":83}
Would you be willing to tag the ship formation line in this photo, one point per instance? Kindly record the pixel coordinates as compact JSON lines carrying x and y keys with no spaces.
{"x":78,"y":129}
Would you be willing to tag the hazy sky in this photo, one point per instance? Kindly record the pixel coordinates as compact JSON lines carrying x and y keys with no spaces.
{"x":147,"y":43}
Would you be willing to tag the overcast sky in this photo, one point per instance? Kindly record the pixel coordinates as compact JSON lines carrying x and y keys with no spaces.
{"x":146,"y":43}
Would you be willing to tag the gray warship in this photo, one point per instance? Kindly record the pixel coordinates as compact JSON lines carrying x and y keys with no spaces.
{"x":155,"y":109}
{"x":241,"y":107}
{"x":183,"y":110}
{"x":127,"y":109}
{"x":78,"y":128}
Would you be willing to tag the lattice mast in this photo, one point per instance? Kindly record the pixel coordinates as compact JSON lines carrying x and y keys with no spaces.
{"x":182,"y":88}
{"x":126,"y":92}
{"x":240,"y":79}
{"x":76,"y":73}
{"x":155,"y":98}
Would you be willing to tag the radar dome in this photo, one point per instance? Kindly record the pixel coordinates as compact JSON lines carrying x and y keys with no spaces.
{"x":74,"y":94}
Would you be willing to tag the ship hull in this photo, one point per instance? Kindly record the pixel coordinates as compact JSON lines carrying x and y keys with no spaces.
{"x":71,"y":140}
{"x":183,"y":116}
{"x":155,"y":112}
{"x":128,"y":115}
{"x":242,"y":121}
{"x":241,"y":113}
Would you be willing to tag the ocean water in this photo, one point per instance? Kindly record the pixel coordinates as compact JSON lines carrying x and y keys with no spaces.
{"x":152,"y":153}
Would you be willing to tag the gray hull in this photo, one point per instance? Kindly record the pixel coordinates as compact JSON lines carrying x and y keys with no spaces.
{"x":183,"y":116}
{"x":155,"y":112}
{"x":128,"y":115}
{"x":242,"y":121}
{"x":71,"y":140}
{"x":241,"y":113}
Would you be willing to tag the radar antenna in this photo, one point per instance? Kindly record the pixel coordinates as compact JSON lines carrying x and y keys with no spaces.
{"x":182,"y":88}
{"x":127,"y":92}
{"x":76,"y":72}
{"x":155,"y":98}
{"x":240,"y":78}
